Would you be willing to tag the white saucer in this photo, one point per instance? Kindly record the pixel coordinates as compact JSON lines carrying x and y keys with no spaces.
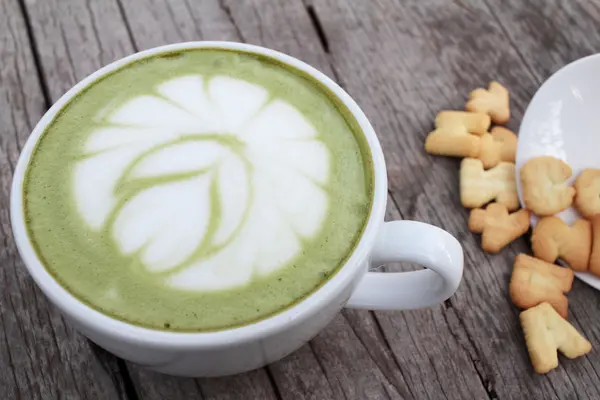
{"x":563,"y":120}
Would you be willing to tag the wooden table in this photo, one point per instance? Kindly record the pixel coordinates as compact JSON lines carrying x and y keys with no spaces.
{"x":402,"y":61}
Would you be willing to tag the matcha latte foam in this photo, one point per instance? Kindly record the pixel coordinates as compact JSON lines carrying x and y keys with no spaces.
{"x":198,"y":190}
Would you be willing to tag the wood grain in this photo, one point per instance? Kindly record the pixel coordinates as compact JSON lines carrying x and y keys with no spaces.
{"x":548,"y":35}
{"x":402,"y":61}
{"x":74,"y":38}
{"x":40,"y":356}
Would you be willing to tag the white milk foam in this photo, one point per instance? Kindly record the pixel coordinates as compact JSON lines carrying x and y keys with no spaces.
{"x":263,"y":157}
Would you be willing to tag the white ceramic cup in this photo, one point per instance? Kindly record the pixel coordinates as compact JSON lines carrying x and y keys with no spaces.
{"x":252,"y":346}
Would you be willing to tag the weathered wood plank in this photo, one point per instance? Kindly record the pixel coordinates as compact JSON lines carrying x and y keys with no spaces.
{"x":179,"y":21}
{"x":421,"y":58}
{"x":152,"y":385}
{"x":76,"y":37}
{"x":548,"y":35}
{"x":40,"y":356}
{"x":351,"y":357}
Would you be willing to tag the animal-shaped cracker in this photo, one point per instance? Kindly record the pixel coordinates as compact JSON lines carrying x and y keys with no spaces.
{"x":545,"y":191}
{"x":499,"y":145}
{"x":552,"y":239}
{"x":587,"y":187}
{"x":494,"y":101}
{"x":535,"y":281}
{"x":479,"y":187}
{"x":457,"y":134}
{"x":497,"y":226}
{"x":594,"y":264}
{"x":545,"y":333}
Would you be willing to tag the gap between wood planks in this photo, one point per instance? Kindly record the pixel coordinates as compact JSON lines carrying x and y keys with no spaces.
{"x":127,"y":25}
{"x":130,"y":390}
{"x":36,"y":55}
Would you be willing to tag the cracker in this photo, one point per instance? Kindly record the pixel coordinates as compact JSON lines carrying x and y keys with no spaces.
{"x":535,"y":281}
{"x":473,"y":122}
{"x":494,"y":101}
{"x":545,"y":333}
{"x":594,"y":264}
{"x":508,"y":150}
{"x":478,"y":187}
{"x":457,"y":134}
{"x":497,"y":226}
{"x":587,"y":187}
{"x":552,"y":239}
{"x":543,"y":181}
{"x":499,"y":145}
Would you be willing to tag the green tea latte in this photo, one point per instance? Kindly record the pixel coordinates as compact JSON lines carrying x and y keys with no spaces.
{"x":198,"y":190}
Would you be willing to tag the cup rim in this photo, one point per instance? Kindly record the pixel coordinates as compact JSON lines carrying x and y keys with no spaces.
{"x":98,"y":322}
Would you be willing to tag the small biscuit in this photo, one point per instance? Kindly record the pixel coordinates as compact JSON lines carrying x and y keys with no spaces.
{"x":587,"y":187}
{"x":545,"y":333}
{"x":494,"y":101}
{"x":475,"y":123}
{"x":497,"y":226}
{"x":535,"y":281}
{"x":552,"y":239}
{"x":478,"y":187}
{"x":457,"y":134}
{"x":594,"y":264}
{"x":499,"y":145}
{"x":545,"y":191}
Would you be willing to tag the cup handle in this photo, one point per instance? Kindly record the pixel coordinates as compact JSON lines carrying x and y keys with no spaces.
{"x":414,"y":242}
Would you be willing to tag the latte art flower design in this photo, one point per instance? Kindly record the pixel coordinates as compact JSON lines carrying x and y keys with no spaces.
{"x":207,"y":182}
